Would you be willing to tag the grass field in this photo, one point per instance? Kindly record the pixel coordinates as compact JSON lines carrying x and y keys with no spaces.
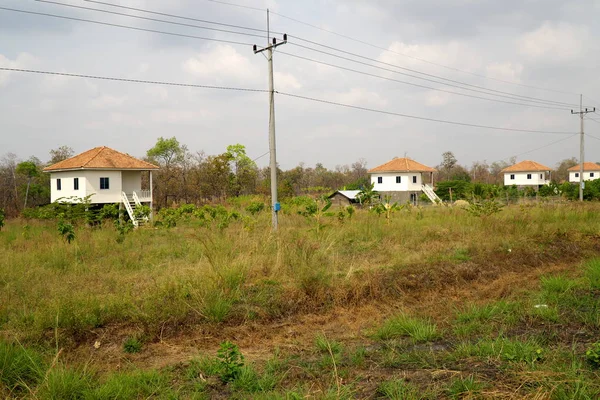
{"x":437,"y":303}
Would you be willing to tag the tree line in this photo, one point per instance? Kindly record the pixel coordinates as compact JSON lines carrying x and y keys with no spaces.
{"x":187,"y":177}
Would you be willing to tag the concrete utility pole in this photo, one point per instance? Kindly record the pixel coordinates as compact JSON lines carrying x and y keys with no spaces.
{"x":275,"y":207}
{"x":581,"y":113}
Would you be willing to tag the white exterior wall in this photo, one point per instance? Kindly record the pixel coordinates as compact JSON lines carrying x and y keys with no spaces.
{"x":586,"y":176}
{"x":537,"y":179}
{"x":67,"y":185}
{"x":110,"y":195}
{"x":132,"y":181}
{"x":389,"y":182}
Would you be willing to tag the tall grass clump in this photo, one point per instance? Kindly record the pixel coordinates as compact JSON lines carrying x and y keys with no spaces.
{"x":19,"y":368}
{"x":592,"y":273}
{"x":420,"y":330}
{"x":400,"y":390}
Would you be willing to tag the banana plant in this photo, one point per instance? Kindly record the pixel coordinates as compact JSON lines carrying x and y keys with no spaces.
{"x":316,"y":211}
{"x":388,"y":208}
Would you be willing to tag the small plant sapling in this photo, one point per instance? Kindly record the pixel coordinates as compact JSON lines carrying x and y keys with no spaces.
{"x":231,"y":361}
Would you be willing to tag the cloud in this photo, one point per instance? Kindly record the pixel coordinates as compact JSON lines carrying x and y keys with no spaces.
{"x":360,"y":96}
{"x":23,"y":60}
{"x":457,"y":54}
{"x":224,"y":64}
{"x":506,"y":71}
{"x":285,"y":81}
{"x":554,"y":42}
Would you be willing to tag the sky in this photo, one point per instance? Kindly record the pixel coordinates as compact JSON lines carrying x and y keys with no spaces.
{"x":522,"y":50}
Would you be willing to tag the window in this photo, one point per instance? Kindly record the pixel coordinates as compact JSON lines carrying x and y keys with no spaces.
{"x":512,"y":176}
{"x":58,"y":184}
{"x":541,"y":176}
{"x":414,"y":179}
{"x":528,"y":176}
{"x":379,"y":179}
{"x":104,"y":183}
{"x":576,"y":174}
{"x":398,"y":179}
{"x":76,"y":184}
{"x":591,"y":174}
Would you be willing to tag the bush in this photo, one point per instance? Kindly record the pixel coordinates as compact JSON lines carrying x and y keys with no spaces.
{"x":231,"y":361}
{"x":19,"y":367}
{"x":132,"y":345}
{"x":593,"y":355}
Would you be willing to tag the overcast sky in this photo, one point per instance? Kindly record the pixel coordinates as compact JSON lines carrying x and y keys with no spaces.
{"x":547,"y":44}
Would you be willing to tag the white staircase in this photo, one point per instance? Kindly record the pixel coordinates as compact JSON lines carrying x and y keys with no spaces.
{"x":428,"y":190}
{"x":131,"y":203}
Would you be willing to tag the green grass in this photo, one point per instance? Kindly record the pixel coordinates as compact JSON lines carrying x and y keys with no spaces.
{"x":469,"y":325}
{"x":420,"y":330}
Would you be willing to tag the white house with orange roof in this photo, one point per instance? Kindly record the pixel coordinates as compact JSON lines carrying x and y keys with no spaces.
{"x":105,"y":175}
{"x":402,"y":179}
{"x":527,"y":173}
{"x":591,"y":171}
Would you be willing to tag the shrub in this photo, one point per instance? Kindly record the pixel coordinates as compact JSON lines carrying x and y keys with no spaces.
{"x":231,"y":361}
{"x":132,"y":345}
{"x":255,"y":207}
{"x":2,"y":216}
{"x":66,"y":230}
{"x":484,"y":208}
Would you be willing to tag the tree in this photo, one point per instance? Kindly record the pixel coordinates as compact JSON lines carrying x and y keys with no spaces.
{"x":60,"y":154}
{"x":243,"y":170}
{"x":448,"y":160}
{"x":562,"y":174}
{"x":167,"y":151}
{"x":30,"y":170}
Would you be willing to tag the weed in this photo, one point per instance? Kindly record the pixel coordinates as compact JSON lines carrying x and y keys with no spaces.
{"x":132,"y":345}
{"x":64,"y":383}
{"x":593,"y":355}
{"x":231,"y":361}
{"x":325,"y":345}
{"x":66,"y":230}
{"x":461,"y":387}
{"x":418,"y":329}
{"x":399,"y":390}
{"x":593,"y":273}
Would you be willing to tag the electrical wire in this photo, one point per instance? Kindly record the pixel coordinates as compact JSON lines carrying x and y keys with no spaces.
{"x":538,"y":148}
{"x":151,"y":19}
{"x":178,"y":16}
{"x":259,"y":157}
{"x":237,"y":5}
{"x":281,"y":93}
{"x":416,"y":58}
{"x":479,"y":89}
{"x":592,"y":136}
{"x":322,"y":101}
{"x":124,"y":26}
{"x":418,"y":85}
{"x":107,"y":78}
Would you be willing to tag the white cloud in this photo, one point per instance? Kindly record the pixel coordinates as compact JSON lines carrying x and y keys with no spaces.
{"x":555,"y":42}
{"x":436,"y":99}
{"x":506,"y":71}
{"x":285,"y":81}
{"x":223,"y":63}
{"x":360,"y":96}
{"x":456,"y":54}
{"x":23,"y":60}
{"x":108,"y":102}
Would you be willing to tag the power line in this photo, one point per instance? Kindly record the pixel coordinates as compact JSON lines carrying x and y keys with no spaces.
{"x":592,"y":136}
{"x":416,"y":58}
{"x":176,"y":16}
{"x":259,"y":157}
{"x":418,"y":117}
{"x":237,"y":5}
{"x":107,"y":78}
{"x":418,"y":85}
{"x":469,"y":86}
{"x":538,"y":148}
{"x":152,"y":19}
{"x":124,"y":26}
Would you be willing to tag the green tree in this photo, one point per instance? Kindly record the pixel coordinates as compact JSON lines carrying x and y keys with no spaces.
{"x":30,"y":170}
{"x":243,"y":170}
{"x":167,"y":152}
{"x":368,"y":195}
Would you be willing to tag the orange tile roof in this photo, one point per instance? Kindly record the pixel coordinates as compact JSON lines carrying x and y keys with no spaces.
{"x":402,"y":165}
{"x":527,"y":166}
{"x":101,"y":158}
{"x":587,"y":166}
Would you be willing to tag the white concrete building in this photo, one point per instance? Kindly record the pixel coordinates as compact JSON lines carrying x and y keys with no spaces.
{"x":105,"y":175}
{"x":402,"y":179}
{"x":591,"y":171}
{"x":527,"y":173}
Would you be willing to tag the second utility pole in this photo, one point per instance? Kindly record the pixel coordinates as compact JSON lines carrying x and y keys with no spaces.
{"x":581,"y":143}
{"x":275,"y":207}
